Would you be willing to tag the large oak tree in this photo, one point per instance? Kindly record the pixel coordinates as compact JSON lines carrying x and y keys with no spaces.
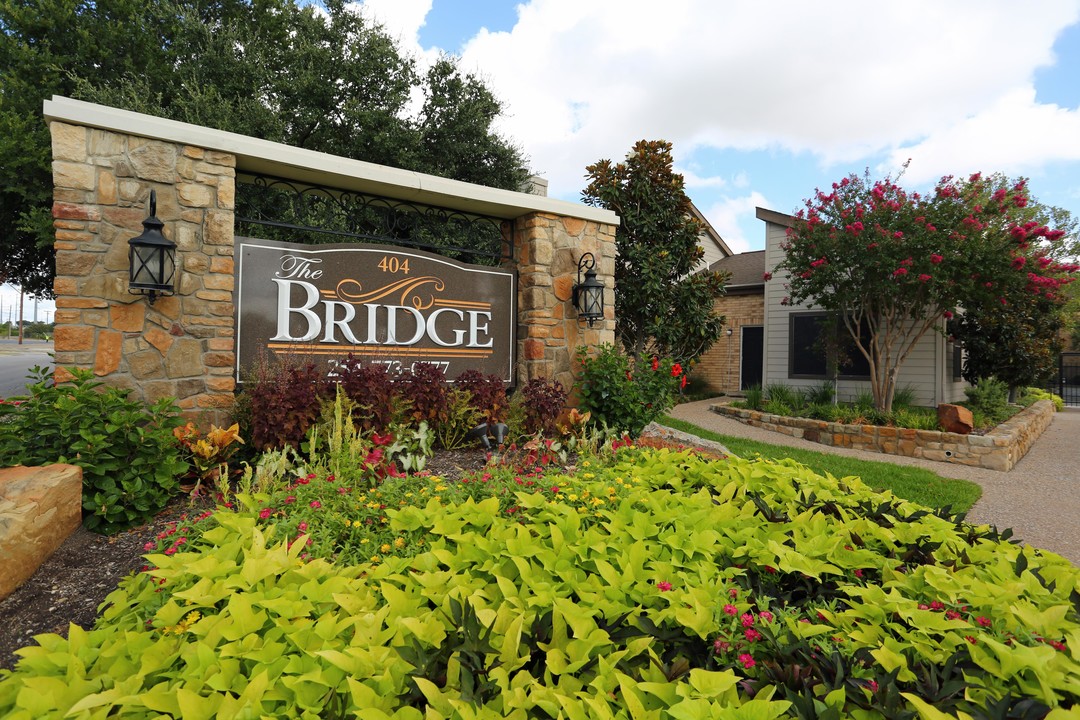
{"x":318,"y":77}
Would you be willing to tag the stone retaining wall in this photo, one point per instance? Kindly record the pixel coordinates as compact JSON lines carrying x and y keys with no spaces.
{"x":1000,"y":449}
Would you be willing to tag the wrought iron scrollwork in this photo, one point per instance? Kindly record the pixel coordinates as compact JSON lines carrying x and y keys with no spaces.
{"x":278,"y":209}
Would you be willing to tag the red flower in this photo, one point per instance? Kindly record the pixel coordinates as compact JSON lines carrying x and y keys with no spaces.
{"x":983,"y":621}
{"x":767,"y":277}
{"x":731,"y":610}
{"x":952,"y":615}
{"x":682,"y":384}
{"x":900,"y":272}
{"x":971,"y":640}
{"x":655,"y":364}
{"x":733,"y":592}
{"x":747,"y":660}
{"x":872,"y":685}
{"x":936,"y":259}
{"x":924,"y":278}
{"x":265,"y":513}
{"x":676,"y":370}
{"x":948,"y":315}
{"x":766,"y":616}
{"x":752,"y":635}
{"x":663,"y":586}
{"x":1019,"y":262}
{"x":316,"y":504}
{"x":302,"y":527}
{"x":747,"y":620}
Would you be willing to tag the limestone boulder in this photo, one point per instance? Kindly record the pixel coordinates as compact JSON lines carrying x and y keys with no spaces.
{"x":39,"y":508}
{"x":955,"y":419}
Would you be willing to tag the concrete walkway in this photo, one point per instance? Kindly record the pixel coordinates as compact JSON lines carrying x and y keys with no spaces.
{"x":1039,"y":498}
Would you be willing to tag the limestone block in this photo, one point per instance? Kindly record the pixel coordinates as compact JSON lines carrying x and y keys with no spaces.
{"x":955,"y":419}
{"x":68,"y":142}
{"x":194,"y":195}
{"x":77,"y":176}
{"x":154,"y":161}
{"x":184,"y":359}
{"x":106,"y":189}
{"x":104,"y":143}
{"x":107,"y":358}
{"x":39,"y":508}
{"x":129,"y":317}
{"x":74,"y":338}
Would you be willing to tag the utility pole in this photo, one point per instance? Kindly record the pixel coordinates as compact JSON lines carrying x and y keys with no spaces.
{"x":20,"y":314}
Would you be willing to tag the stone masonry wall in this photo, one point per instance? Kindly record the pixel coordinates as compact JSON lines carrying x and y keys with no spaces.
{"x":181,"y":346}
{"x":719,"y":366}
{"x":999,"y":449}
{"x":547,"y":248}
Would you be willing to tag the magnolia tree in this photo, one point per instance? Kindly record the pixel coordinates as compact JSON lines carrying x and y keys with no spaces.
{"x":662,"y":307}
{"x":891,"y":265}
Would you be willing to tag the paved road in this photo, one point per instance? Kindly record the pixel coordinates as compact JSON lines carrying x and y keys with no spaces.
{"x":1039,"y":498}
{"x":16,"y":360}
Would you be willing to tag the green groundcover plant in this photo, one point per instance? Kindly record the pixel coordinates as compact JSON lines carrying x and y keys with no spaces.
{"x":650,"y":584}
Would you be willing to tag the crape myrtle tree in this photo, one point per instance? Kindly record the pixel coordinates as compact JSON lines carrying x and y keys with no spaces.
{"x":891,"y":265}
{"x":316,"y":76}
{"x":1017,"y":336}
{"x":661,"y":307}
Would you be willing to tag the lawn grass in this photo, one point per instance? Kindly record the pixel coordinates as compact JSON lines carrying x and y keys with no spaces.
{"x":910,"y":483}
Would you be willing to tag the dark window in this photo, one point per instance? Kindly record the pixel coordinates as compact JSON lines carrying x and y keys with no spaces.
{"x":817,"y":340}
{"x":808,"y":353}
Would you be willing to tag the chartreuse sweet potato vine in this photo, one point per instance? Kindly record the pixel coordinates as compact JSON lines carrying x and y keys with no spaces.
{"x":657,"y":585}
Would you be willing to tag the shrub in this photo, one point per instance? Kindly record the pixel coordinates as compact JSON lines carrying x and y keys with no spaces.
{"x":778,"y":407}
{"x":129,"y":457}
{"x":487,"y":394}
{"x":371,"y":390}
{"x":915,"y":418}
{"x":783,"y":394}
{"x":904,"y":397}
{"x":283,"y":401}
{"x":823,"y":393}
{"x":1033,"y":394}
{"x":535,"y":408}
{"x":989,"y":399}
{"x":458,"y":417}
{"x":423,"y":388}
{"x":623,"y":396}
{"x":755,"y":397}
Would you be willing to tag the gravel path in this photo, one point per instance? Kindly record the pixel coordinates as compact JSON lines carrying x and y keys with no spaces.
{"x":1039,"y":498}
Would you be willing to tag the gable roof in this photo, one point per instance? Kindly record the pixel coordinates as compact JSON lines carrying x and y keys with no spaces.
{"x":709,"y":232}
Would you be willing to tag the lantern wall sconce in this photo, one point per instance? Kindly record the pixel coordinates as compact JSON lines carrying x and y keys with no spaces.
{"x":152,"y":257}
{"x":588,"y":295}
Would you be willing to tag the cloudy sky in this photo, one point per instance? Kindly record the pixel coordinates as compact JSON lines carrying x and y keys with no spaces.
{"x":766,"y":100}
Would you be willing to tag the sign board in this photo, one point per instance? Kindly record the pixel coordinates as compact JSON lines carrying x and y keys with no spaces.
{"x":385,"y":305}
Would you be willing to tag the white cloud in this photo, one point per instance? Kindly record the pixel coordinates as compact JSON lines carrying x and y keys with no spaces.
{"x":1014,"y":135}
{"x":585,"y":79}
{"x":730,"y":215}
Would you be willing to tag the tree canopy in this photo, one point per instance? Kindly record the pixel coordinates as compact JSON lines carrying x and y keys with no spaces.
{"x":321,"y":78}
{"x":892,"y":264}
{"x":661,"y":306}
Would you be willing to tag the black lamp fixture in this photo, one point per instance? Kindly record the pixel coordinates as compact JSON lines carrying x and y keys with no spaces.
{"x":152,"y":257}
{"x":588,"y":296}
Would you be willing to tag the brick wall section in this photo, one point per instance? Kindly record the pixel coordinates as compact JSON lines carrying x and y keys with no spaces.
{"x":547,"y":248}
{"x":181,"y":346}
{"x":719,"y":367}
{"x":999,"y":449}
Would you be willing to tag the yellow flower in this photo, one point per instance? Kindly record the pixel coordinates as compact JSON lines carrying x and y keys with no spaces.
{"x":598,"y":501}
{"x":588,"y":476}
{"x":348,"y":523}
{"x":364,"y":541}
{"x":374,"y":558}
{"x":385,"y":548}
{"x":408,"y":495}
{"x":572,"y":497}
{"x":399,"y":542}
{"x":440,"y":488}
{"x":585,"y":463}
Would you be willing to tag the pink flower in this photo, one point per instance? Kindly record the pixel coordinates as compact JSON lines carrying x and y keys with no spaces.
{"x":930,"y":227}
{"x":767,"y":277}
{"x":858,"y":572}
{"x":872,"y":685}
{"x":290,"y":500}
{"x":752,"y":635}
{"x":898,"y":234}
{"x":316,"y":504}
{"x":170,"y":550}
{"x":948,"y":315}
{"x":731,"y":610}
{"x":747,"y":660}
{"x":747,"y":620}
{"x":1019,"y":262}
{"x":937,"y":605}
{"x":302,"y":527}
{"x":936,"y":259}
{"x":924,"y":278}
{"x":663,"y":586}
{"x":900,"y":272}
{"x":766,"y":616}
{"x":733,"y":593}
{"x":721,"y":646}
{"x":148,"y":546}
{"x":302,"y":481}
{"x":983,"y":621}
{"x":265,"y":513}
{"x":952,"y":615}
{"x":971,"y":640}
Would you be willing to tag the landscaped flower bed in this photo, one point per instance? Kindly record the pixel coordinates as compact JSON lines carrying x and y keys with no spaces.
{"x":647,"y":583}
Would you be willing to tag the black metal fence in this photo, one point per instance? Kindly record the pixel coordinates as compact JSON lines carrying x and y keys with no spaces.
{"x":1068,"y":379}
